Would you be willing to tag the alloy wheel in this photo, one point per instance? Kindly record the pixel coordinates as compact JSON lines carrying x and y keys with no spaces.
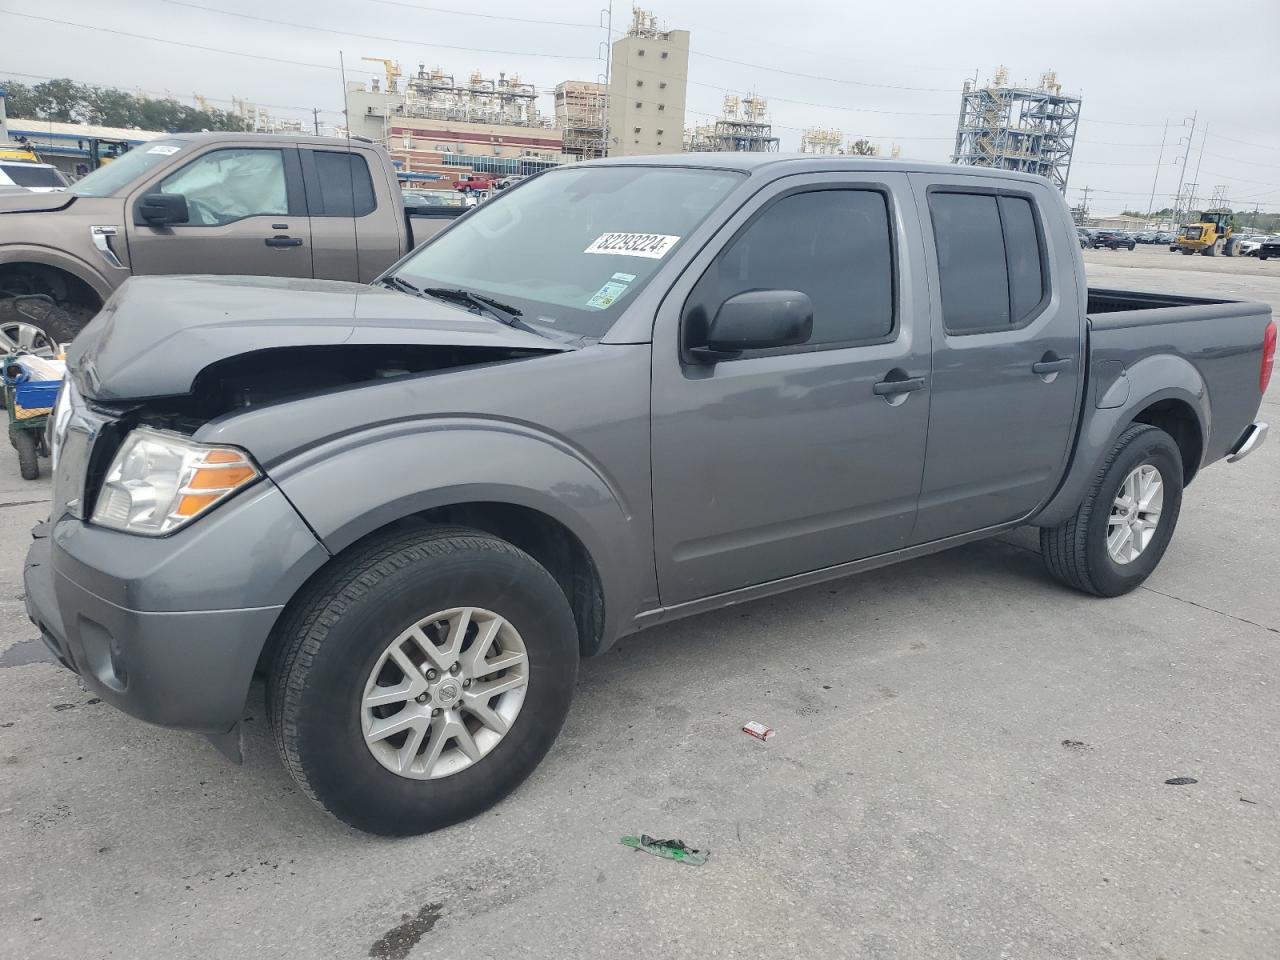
{"x":1135,"y":514}
{"x":444,"y":693}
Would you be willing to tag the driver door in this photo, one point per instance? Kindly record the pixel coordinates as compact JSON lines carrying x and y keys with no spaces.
{"x":246,"y":215}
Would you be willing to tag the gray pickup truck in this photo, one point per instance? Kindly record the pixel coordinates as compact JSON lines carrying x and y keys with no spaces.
{"x":621,"y":393}
{"x":225,"y":203}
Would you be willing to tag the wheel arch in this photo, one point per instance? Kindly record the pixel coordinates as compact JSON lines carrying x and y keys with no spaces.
{"x":76,"y":281}
{"x":1165,"y":391}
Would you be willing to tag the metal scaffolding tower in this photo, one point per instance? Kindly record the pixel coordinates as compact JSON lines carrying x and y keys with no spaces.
{"x":744,"y":128}
{"x":1031,"y":129}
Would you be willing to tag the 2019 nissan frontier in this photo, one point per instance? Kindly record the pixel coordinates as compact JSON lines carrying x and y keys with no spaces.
{"x":623,"y":392}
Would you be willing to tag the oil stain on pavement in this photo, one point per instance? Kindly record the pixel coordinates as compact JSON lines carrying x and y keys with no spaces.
{"x":397,"y":942}
{"x":24,"y":652}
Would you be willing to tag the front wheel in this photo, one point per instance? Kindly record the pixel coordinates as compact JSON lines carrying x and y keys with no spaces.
{"x":422,"y":678}
{"x":1118,"y":534}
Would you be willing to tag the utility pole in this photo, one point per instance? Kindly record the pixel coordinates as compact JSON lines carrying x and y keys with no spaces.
{"x":1200,"y":157}
{"x":606,"y":18}
{"x":1186,"y":155}
{"x":1156,"y":179}
{"x":315,"y":119}
{"x":1084,"y":206}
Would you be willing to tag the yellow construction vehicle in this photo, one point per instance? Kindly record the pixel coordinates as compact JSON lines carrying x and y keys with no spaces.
{"x":1211,"y":235}
{"x":18,"y":151}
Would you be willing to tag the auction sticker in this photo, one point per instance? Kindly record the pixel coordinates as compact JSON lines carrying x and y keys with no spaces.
{"x":651,"y":245}
{"x":607,"y":295}
{"x":163,"y":149}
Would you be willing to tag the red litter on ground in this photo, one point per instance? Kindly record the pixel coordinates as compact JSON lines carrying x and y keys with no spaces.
{"x":758,"y":730}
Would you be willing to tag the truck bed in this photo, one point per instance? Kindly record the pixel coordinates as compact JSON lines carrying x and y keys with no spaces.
{"x":1211,"y":348}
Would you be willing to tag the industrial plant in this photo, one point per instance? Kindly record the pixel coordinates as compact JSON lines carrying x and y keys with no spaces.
{"x":1031,"y":129}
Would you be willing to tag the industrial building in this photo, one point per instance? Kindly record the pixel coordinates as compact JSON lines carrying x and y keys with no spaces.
{"x":744,"y":128}
{"x":438,"y":127}
{"x":648,"y":81}
{"x":580,"y":115}
{"x":1031,"y":129}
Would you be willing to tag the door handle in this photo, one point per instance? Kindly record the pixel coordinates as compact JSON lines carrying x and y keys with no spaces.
{"x":891,"y":388}
{"x":283,"y":241}
{"x":1044,"y":367}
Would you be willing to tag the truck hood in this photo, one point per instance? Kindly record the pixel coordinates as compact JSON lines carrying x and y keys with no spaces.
{"x":156,"y":334}
{"x":31,"y":202}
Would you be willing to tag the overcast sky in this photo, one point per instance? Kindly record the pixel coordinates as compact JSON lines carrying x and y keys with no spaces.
{"x":890,"y":71}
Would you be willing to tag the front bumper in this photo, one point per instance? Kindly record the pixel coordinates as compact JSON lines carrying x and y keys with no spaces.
{"x":170,"y":629}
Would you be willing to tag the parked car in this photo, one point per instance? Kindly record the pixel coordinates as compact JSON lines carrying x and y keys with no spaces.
{"x":1164,"y":237}
{"x":432,"y":198}
{"x":509,"y":182}
{"x":1146,"y":236}
{"x":1113,"y":239}
{"x":34,"y":177}
{"x":1269,"y":248}
{"x":474,"y":183}
{"x":628,"y":392}
{"x":223,"y":203}
{"x":1249,"y":245}
{"x":1085,"y":237}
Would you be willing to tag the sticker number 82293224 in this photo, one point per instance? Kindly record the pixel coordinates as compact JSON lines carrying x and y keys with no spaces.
{"x":652,"y":245}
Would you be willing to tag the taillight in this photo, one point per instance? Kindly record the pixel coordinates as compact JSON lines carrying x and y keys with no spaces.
{"x":1268,"y":356}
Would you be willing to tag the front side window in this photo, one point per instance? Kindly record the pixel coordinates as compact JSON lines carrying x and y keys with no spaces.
{"x":572,"y":247}
{"x":990,"y":261}
{"x":228,"y":185}
{"x":833,"y":245}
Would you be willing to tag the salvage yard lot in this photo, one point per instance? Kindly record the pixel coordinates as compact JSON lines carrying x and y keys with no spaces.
{"x":970,"y":761}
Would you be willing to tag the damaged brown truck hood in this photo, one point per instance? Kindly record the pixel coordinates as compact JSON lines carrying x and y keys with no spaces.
{"x":156,"y":334}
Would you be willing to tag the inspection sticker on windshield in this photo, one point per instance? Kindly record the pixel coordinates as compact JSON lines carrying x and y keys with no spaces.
{"x":651,"y":245}
{"x":163,"y":150}
{"x":608,"y":295}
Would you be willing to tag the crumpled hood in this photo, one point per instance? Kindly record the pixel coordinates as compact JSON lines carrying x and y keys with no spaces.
{"x":157,"y":333}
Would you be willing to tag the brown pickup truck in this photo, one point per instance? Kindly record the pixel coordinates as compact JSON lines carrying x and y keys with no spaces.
{"x":213,"y":203}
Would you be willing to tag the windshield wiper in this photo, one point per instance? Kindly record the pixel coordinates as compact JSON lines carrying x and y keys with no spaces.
{"x":503,"y":313}
{"x":398,"y":283}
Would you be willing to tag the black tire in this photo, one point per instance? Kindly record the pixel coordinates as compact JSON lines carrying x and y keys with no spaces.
{"x":1262,"y":256}
{"x":27,"y":445}
{"x":55,"y":324}
{"x":1230,"y":248}
{"x":1210,"y":251}
{"x":1188,"y":252}
{"x":335,"y":633}
{"x":1075,"y":552}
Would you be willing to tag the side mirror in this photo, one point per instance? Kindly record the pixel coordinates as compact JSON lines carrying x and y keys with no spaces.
{"x":160,"y":209}
{"x":758,"y":320}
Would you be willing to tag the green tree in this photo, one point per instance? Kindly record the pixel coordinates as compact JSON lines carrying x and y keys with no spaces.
{"x":862,"y":148}
{"x":70,"y":102}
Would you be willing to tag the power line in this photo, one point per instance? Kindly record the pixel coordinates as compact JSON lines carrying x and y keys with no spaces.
{"x":292,"y":24}
{"x":814,"y":76}
{"x":176,"y":43}
{"x":166,"y":94}
{"x":487,"y":16}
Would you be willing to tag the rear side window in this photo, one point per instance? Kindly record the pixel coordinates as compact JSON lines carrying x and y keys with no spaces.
{"x":31,"y":175}
{"x":833,"y":245}
{"x":346,"y":189}
{"x":990,"y":261}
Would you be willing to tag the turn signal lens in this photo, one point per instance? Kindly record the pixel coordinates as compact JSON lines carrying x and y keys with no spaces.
{"x":1268,"y":356}
{"x":160,"y":481}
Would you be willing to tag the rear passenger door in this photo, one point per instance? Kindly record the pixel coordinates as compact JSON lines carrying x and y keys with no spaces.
{"x":1008,"y":351}
{"x":355,"y":229}
{"x":782,"y":461}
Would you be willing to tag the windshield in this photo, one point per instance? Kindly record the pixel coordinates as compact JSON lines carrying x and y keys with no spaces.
{"x":32,"y":175}
{"x":569,"y":248}
{"x":110,"y":178}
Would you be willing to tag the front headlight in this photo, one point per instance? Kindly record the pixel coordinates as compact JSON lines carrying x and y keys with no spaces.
{"x":160,"y":481}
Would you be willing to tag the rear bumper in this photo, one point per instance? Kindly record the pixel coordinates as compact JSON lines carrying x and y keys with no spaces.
{"x":117,"y":609}
{"x":1252,"y":438}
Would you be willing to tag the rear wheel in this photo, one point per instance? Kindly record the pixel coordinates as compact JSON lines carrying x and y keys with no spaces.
{"x":1230,"y":248}
{"x":422,"y":679}
{"x":1120,"y":531}
{"x":1211,"y":250}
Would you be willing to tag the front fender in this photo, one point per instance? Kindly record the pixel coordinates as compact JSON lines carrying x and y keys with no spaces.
{"x":353,"y":485}
{"x":65,"y":262}
{"x":1114,"y":406}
